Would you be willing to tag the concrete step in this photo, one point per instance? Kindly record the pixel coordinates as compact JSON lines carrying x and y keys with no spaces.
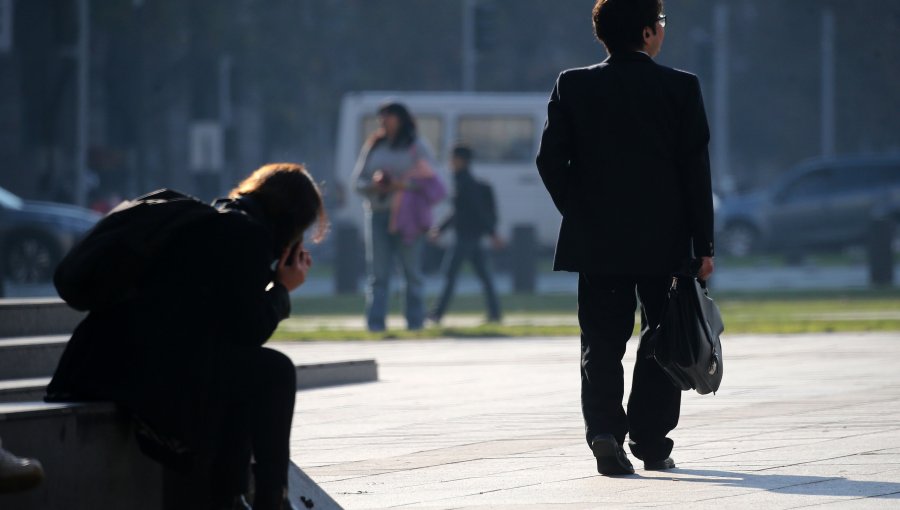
{"x":30,"y":357}
{"x":86,"y":446}
{"x":305,"y":493}
{"x":33,"y":317}
{"x":81,"y":447}
{"x":319,"y":375}
{"x":23,"y":390}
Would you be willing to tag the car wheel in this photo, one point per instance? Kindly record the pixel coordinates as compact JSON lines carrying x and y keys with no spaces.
{"x":30,"y":258}
{"x":739,"y":240}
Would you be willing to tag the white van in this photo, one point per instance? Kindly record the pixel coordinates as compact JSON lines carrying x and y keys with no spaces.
{"x":504,"y":130}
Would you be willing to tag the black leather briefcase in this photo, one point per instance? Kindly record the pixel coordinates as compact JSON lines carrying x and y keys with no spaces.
{"x":686,"y":343}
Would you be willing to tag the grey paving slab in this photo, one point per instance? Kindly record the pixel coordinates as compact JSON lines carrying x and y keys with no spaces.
{"x":801,"y":421}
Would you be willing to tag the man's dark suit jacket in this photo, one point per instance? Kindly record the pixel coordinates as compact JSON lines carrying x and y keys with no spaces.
{"x":624,"y":156}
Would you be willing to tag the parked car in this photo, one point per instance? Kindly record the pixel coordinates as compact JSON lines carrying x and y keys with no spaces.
{"x":34,"y":236}
{"x":820,"y":205}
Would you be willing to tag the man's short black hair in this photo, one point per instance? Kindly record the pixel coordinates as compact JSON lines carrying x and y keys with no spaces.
{"x":619,"y":24}
{"x":463,"y":152}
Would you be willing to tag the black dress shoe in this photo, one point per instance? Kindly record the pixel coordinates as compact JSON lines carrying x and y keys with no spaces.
{"x":660,"y":465}
{"x":611,"y":458}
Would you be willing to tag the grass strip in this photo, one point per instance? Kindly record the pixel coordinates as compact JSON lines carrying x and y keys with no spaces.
{"x":484,"y":331}
{"x":784,"y":312}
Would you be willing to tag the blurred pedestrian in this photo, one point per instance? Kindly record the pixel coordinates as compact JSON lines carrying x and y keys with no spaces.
{"x":395,"y":175}
{"x":184,"y":353}
{"x":474,"y":216}
{"x":624,"y":156}
{"x":18,"y":473}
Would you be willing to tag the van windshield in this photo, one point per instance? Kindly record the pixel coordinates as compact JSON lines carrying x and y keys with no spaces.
{"x":499,"y":138}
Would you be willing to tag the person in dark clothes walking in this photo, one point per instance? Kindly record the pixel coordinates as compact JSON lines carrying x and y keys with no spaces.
{"x":184,"y":353}
{"x":624,"y":155}
{"x":474,"y":215}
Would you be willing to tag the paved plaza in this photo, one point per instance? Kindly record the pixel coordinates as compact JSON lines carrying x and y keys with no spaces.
{"x":801,"y":421}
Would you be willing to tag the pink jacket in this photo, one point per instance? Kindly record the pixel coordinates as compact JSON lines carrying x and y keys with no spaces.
{"x":411,"y":208}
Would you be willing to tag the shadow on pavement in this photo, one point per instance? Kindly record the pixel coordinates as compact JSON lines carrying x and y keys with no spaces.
{"x":792,"y":484}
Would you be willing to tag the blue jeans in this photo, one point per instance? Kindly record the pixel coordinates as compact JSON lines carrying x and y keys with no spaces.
{"x":382,"y":250}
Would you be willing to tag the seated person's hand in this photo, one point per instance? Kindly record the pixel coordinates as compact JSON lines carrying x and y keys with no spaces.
{"x":497,"y":242}
{"x":707,"y":267}
{"x":434,"y":234}
{"x":293,"y":266}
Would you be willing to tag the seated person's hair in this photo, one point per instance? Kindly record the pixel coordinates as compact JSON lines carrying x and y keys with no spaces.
{"x":290,"y":200}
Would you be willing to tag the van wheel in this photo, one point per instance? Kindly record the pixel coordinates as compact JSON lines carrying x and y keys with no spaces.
{"x":30,"y":258}
{"x":739,"y":240}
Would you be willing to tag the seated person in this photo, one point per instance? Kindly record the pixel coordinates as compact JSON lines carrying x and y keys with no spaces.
{"x":184,"y":355}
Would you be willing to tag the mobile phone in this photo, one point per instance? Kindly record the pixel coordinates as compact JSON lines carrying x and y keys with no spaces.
{"x":293,"y":254}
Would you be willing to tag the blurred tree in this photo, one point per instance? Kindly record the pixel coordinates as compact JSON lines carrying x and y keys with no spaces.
{"x":156,"y":67}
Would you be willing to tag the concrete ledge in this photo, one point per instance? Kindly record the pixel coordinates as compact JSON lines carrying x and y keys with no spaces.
{"x":24,"y":390}
{"x":88,"y":450}
{"x":92,"y":461}
{"x":337,"y":373}
{"x":22,"y":358}
{"x":89,"y":455}
{"x":304,"y":493}
{"x":32,"y":317}
{"x":29,"y":388}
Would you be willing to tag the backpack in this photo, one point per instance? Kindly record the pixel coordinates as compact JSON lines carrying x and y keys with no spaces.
{"x":107,"y":265}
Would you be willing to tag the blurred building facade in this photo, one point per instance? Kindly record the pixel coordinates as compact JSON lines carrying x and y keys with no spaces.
{"x":193,"y":95}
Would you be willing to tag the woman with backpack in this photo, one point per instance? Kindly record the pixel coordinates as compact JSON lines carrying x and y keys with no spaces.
{"x":183,"y":352}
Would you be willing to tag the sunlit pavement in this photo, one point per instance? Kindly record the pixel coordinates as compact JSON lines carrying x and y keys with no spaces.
{"x":800,"y":421}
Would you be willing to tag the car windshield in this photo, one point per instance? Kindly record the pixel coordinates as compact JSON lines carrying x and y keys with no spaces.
{"x":9,"y":201}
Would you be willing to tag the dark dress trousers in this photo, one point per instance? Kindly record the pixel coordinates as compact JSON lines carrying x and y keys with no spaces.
{"x":624,"y":157}
{"x":186,"y":355}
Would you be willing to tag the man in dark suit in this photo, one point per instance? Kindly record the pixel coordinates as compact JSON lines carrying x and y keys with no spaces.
{"x":624,"y":155}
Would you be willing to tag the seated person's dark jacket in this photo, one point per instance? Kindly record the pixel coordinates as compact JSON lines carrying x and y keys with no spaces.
{"x":171,"y":355}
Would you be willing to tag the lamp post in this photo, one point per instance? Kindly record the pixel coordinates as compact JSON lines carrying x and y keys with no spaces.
{"x":828,"y":86}
{"x":82,"y":121}
{"x":721,"y":146}
{"x":469,"y":51}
